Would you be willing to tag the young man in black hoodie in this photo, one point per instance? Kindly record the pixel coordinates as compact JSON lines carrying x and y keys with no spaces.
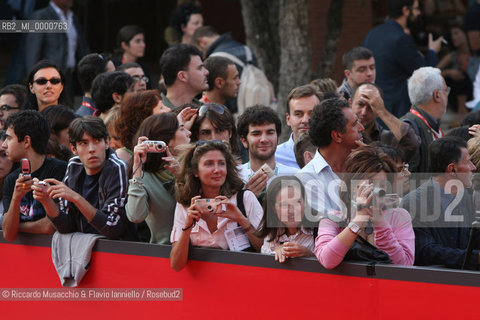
{"x":92,"y":194}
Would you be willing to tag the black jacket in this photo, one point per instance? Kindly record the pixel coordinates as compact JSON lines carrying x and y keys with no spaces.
{"x":110,"y":219}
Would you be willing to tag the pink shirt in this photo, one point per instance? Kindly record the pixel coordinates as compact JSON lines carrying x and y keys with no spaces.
{"x":394,"y":235}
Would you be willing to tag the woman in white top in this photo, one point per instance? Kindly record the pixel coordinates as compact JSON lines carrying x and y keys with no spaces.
{"x":208,"y":172}
{"x":284,"y":226}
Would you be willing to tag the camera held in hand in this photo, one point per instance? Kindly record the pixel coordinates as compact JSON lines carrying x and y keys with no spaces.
{"x":155,"y":146}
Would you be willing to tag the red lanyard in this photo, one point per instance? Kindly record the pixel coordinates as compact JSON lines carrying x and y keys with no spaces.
{"x":435,"y":134}
{"x":88,"y":105}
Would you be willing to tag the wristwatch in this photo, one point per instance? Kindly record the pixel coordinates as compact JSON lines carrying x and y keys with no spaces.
{"x":354,"y":227}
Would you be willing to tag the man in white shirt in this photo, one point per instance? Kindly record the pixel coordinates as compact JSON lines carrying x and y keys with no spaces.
{"x":335,"y":130}
{"x":300,"y":103}
{"x":259,"y":128}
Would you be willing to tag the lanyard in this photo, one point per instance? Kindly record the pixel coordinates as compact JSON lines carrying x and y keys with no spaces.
{"x":88,"y":105}
{"x":435,"y":134}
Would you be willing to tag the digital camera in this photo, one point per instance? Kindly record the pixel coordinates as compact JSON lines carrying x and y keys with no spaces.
{"x":209,"y":206}
{"x":155,"y":146}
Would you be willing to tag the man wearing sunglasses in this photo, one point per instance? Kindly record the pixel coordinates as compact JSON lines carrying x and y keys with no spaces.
{"x":184,"y":74}
{"x":12,"y":100}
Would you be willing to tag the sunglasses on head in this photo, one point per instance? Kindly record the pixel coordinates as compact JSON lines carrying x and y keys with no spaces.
{"x":43,"y":81}
{"x":214,"y":107}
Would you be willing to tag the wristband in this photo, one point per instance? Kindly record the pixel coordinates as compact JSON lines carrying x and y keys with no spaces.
{"x":193,"y":223}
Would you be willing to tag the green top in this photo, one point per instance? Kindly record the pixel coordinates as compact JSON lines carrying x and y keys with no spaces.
{"x":149,"y":201}
{"x":169,"y":104}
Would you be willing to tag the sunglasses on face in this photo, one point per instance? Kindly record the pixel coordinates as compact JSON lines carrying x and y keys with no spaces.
{"x":43,"y":81}
{"x":6,"y":108}
{"x":214,"y":107}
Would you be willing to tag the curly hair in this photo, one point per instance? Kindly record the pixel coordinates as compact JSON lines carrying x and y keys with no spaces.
{"x":188,"y":186}
{"x":326,"y":117}
{"x":134,"y":108}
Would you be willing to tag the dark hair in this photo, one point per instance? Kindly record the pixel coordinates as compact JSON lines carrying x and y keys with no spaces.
{"x":302,"y":92}
{"x":59,"y":117}
{"x":159,"y":127}
{"x":258,"y":115}
{"x":302,"y":144}
{"x":33,"y":124}
{"x":44,"y":64}
{"x":270,"y":225}
{"x":217,"y":67}
{"x":187,"y":185}
{"x":135,"y":108}
{"x":223,"y":121}
{"x":105,"y":84}
{"x":461,"y":132}
{"x":326,"y":117}
{"x":357,"y":53}
{"x":91,"y":125}
{"x":204,"y":31}
{"x":471,"y":119}
{"x":175,"y":59}
{"x":57,"y":151}
{"x":443,"y":151}
{"x":394,"y":153}
{"x":18,"y":91}
{"x":89,"y":67}
{"x":395,"y":7}
{"x":125,"y":34}
{"x":181,"y":16}
{"x":128,"y":65}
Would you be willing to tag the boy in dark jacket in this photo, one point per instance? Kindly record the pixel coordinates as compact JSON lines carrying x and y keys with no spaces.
{"x":92,"y":194}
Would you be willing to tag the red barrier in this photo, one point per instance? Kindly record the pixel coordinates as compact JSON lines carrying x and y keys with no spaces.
{"x":214,"y":290}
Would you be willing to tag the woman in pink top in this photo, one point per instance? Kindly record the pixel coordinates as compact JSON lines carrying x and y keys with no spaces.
{"x":388,"y":229}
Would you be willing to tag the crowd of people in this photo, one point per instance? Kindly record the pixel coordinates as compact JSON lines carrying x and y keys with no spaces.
{"x":367,"y":173}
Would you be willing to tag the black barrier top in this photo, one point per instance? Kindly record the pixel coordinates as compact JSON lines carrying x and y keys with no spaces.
{"x":437,"y":275}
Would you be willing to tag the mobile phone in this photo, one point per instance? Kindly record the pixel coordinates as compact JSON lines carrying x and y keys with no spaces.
{"x":266,"y":169}
{"x":25,"y":165}
{"x":155,"y":146}
{"x":209,"y":206}
{"x":41,"y":184}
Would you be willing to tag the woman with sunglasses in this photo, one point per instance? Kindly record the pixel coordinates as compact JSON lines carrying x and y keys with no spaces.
{"x":215,"y":122}
{"x":150,"y":192}
{"x":208,"y":210}
{"x":367,"y":218}
{"x":46,"y":83}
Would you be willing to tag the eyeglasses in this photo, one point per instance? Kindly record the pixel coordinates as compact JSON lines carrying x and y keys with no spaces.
{"x":43,"y":81}
{"x":447,"y":90}
{"x":6,"y":108}
{"x":211,"y":106}
{"x":138,"y":78}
